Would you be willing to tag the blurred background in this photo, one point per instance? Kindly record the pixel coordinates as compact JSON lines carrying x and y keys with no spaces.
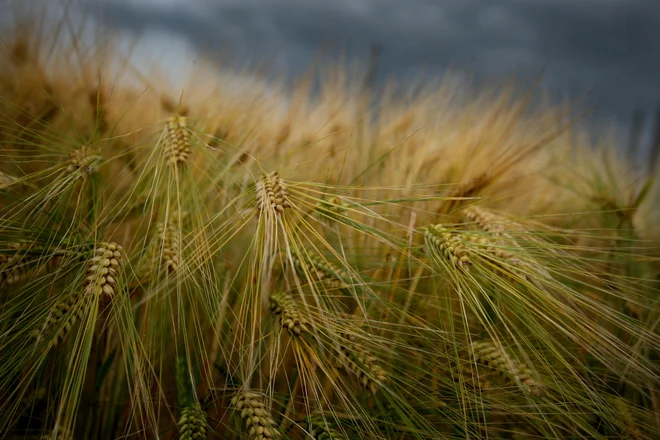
{"x":606,"y":50}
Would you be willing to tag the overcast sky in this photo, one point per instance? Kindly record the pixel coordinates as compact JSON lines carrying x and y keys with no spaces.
{"x":610,"y":44}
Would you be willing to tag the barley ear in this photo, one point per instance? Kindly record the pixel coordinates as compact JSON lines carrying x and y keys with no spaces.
{"x":290,"y":317}
{"x":272,"y":193}
{"x":177,"y":146}
{"x":362,"y":363}
{"x":494,"y":357}
{"x":259,"y":424}
{"x":102,"y":270}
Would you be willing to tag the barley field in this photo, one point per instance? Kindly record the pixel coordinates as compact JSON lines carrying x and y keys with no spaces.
{"x":220,"y":265}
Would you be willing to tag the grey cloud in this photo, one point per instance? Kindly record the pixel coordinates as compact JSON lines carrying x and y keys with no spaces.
{"x":581,"y":43}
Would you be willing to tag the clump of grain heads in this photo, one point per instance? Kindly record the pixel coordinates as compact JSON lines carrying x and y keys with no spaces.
{"x":258,"y":421}
{"x":177,"y":148}
{"x":315,"y":266}
{"x":283,"y":305}
{"x":102,"y":270}
{"x":496,"y":358}
{"x":193,"y":423}
{"x":319,"y":429}
{"x":272,"y":193}
{"x":441,"y":241}
{"x":362,"y":363}
{"x":84,"y":159}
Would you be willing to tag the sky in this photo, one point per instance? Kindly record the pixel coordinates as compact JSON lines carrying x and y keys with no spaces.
{"x":610,"y":45}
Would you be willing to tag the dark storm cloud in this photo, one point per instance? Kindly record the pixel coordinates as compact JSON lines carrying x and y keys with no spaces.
{"x":611,"y":44}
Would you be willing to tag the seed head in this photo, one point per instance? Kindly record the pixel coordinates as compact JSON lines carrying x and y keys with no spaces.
{"x":283,"y":305}
{"x":319,"y":429}
{"x":440,"y":240}
{"x":315,"y":266}
{"x":103,"y":269}
{"x":61,"y":319}
{"x":362,"y":363}
{"x":177,"y":148}
{"x":272,"y":193}
{"x":193,"y":423}
{"x":84,"y":159}
{"x":258,"y":422}
{"x":168,"y":254}
{"x":494,"y":357}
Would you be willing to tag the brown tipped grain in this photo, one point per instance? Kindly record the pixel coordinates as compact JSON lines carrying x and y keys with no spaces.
{"x":290,"y":317}
{"x":259,"y":424}
{"x":103,"y":269}
{"x":272,"y":194}
{"x":177,"y":148}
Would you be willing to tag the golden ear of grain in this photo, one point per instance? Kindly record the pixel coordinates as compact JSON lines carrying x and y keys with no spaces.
{"x":177,"y":148}
{"x":450,"y":246}
{"x":362,"y":363}
{"x":84,"y":159}
{"x":494,"y":357}
{"x":290,"y":317}
{"x":103,"y":269}
{"x":272,"y":193}
{"x":259,"y":424}
{"x":193,"y":424}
